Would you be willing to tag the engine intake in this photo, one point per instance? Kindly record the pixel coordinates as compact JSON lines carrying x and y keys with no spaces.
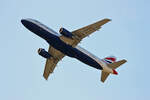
{"x":43,"y":53}
{"x":65,"y":32}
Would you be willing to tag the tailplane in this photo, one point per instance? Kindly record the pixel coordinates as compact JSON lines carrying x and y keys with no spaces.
{"x":116,"y":64}
{"x":113,"y":66}
{"x":104,"y":76}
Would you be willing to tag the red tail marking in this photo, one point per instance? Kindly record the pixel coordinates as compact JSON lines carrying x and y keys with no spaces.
{"x":115,"y":72}
{"x":111,"y":58}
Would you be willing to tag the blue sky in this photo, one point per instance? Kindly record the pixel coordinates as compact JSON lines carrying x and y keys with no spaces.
{"x":126,"y":36}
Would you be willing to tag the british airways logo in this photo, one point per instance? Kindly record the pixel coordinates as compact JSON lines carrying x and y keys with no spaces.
{"x":110,"y":59}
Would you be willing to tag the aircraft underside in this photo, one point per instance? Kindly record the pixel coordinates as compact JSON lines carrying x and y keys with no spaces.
{"x":64,"y":44}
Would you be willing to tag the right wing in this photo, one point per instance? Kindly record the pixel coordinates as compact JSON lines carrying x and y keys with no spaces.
{"x":81,"y":33}
{"x":52,"y":62}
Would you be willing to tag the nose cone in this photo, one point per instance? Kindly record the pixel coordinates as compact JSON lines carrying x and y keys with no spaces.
{"x":23,"y":21}
{"x":27,"y":24}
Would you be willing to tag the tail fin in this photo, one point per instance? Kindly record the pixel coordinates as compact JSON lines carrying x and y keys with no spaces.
{"x":114,"y":65}
{"x":109,"y":59}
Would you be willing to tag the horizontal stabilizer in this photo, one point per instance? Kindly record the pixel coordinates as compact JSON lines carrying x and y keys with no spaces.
{"x":104,"y":76}
{"x":116,"y":64}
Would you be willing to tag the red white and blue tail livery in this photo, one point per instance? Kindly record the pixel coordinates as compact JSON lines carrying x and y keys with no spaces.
{"x":113,"y":64}
{"x":110,"y":59}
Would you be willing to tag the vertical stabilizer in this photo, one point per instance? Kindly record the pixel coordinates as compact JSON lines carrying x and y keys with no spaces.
{"x":110,"y":59}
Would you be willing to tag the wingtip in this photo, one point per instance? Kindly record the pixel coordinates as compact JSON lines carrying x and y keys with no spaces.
{"x":124,"y":60}
{"x":102,"y":81}
{"x":108,"y":19}
{"x":46,"y":78}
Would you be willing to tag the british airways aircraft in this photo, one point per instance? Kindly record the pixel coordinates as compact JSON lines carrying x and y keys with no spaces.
{"x":65,"y":44}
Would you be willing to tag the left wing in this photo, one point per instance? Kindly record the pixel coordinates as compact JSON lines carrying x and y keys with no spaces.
{"x":84,"y":32}
{"x":52,"y":62}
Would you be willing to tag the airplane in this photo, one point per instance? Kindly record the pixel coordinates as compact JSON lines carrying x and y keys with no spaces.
{"x":65,"y":43}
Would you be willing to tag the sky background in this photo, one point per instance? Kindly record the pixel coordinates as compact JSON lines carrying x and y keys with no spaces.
{"x":127,"y":36}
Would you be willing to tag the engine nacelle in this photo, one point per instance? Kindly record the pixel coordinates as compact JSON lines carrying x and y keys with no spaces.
{"x":65,"y":32}
{"x":43,"y":53}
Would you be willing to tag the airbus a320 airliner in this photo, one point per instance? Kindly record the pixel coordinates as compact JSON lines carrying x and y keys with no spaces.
{"x":65,"y":44}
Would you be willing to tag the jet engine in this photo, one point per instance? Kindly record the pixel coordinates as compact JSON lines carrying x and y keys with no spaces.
{"x":65,"y":32}
{"x":43,"y":53}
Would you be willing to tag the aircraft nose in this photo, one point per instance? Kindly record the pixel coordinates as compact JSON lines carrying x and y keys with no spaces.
{"x":26,"y":23}
{"x":23,"y":21}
